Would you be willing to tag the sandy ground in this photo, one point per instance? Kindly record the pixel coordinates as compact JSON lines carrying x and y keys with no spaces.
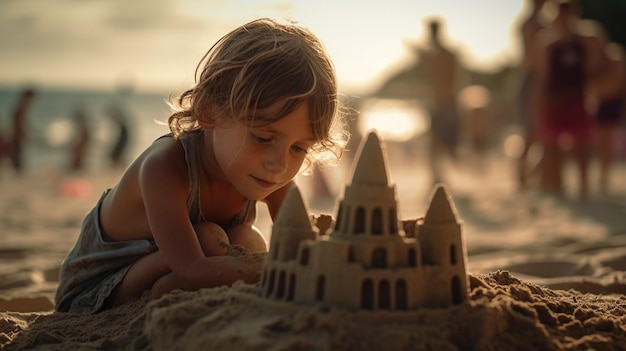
{"x":545,"y":273}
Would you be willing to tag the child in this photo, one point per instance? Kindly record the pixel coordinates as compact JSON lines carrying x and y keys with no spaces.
{"x":264,"y":103}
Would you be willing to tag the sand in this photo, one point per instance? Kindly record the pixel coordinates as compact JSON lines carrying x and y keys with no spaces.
{"x":503,"y":313}
{"x":545,"y":274}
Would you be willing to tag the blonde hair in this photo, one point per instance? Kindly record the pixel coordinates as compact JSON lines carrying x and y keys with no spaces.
{"x":256,"y":66}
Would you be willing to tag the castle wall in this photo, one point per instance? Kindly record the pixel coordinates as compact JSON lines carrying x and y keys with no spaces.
{"x":323,"y":274}
{"x":436,"y":241}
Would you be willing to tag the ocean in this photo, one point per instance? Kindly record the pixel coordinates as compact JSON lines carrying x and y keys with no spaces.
{"x":51,"y":128}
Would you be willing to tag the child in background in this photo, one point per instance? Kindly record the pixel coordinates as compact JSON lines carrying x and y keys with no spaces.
{"x":265,"y":104}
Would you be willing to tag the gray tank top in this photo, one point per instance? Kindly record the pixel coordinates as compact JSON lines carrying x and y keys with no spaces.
{"x":191,"y":144}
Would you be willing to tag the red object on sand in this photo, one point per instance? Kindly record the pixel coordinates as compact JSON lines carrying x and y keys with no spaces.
{"x":75,"y":188}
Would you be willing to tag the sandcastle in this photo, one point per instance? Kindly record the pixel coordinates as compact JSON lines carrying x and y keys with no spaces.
{"x":368,"y":261}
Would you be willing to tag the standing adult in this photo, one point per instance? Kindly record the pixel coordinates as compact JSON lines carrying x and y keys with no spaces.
{"x":440,"y":67}
{"x":18,"y":129}
{"x":532,"y":24}
{"x":564,"y":67}
{"x":118,"y":115}
{"x":81,"y":141}
{"x":607,"y":88}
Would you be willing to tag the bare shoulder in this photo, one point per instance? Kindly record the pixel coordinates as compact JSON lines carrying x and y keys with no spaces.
{"x":164,"y":163}
{"x":163,"y":157}
{"x":161,"y":169}
{"x":165,"y":153}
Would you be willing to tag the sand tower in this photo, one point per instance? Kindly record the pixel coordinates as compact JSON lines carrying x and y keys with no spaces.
{"x":367,"y":262}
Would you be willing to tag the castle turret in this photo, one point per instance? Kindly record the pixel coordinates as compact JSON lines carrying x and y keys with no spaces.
{"x":371,"y":167}
{"x":440,"y":229}
{"x":292,"y":225}
{"x":368,"y":206}
{"x":443,"y":250}
{"x":441,"y":209}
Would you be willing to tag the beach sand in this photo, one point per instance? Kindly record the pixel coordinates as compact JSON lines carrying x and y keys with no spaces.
{"x":545,"y":274}
{"x":504,"y":313}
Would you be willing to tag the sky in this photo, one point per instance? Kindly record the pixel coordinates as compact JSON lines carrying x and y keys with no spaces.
{"x":155,"y":45}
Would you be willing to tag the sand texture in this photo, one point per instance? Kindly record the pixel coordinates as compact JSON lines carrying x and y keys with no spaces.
{"x":503,"y":313}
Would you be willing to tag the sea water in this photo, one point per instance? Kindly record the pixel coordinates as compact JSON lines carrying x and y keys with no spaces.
{"x":51,"y":129}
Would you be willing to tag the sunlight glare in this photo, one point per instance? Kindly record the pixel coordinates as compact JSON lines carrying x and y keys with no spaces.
{"x":59,"y":132}
{"x":395,"y":120}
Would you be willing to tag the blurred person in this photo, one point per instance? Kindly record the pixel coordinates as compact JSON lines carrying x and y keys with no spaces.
{"x":532,"y":24}
{"x":440,"y":66}
{"x":18,"y":129}
{"x":478,"y":120}
{"x":82,"y":138}
{"x":265,"y":103}
{"x":607,"y":88}
{"x":119,"y":117}
{"x":566,"y":127}
{"x":4,"y":148}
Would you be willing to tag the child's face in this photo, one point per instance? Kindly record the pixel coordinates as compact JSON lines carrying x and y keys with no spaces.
{"x":260,"y":160}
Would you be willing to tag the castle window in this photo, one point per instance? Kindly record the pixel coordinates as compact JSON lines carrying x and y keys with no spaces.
{"x":359,"y":221}
{"x":457,"y":294}
{"x":412,"y":257}
{"x":304,"y":256}
{"x":292,"y":286}
{"x":319,"y":288}
{"x":384,"y":295}
{"x":401,"y":295}
{"x":377,"y":221}
{"x":393,"y":221}
{"x":351,"y":257}
{"x":367,"y":295}
{"x":270,"y":286}
{"x":452,"y":254}
{"x":379,"y":258}
{"x":280,"y":291}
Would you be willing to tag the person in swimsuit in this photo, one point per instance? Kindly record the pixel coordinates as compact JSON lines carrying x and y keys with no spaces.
{"x":19,"y":135}
{"x":565,"y":126}
{"x":441,"y":67}
{"x":82,"y":139}
{"x":264,"y":105}
{"x":532,"y":24}
{"x":607,"y":88}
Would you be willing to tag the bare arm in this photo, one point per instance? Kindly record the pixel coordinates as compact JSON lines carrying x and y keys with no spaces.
{"x":164,"y":186}
{"x":541,"y":44}
{"x":609,"y":81}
